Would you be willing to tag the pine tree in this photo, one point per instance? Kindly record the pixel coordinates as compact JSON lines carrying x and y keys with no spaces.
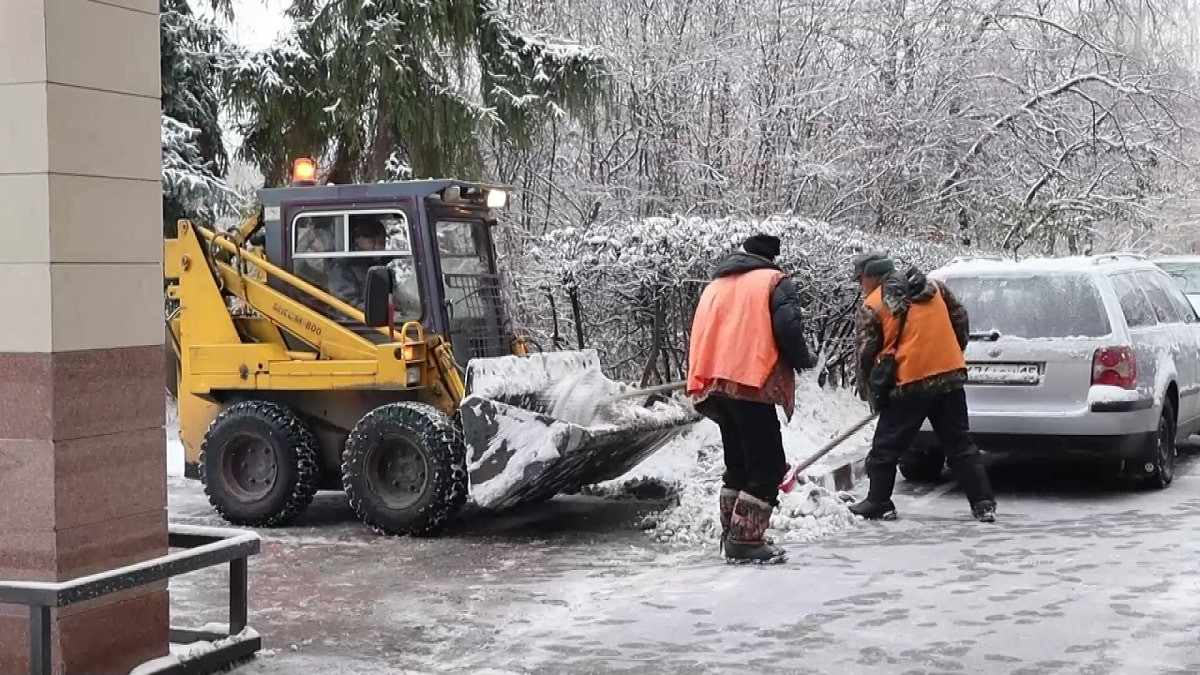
{"x":384,"y":89}
{"x":193,"y":56}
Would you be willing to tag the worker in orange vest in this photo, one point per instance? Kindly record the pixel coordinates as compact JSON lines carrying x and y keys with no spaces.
{"x":910,"y":334}
{"x":747,"y":342}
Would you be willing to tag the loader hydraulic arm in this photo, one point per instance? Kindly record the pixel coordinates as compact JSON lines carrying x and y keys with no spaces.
{"x":221,"y":353}
{"x":331,"y":339}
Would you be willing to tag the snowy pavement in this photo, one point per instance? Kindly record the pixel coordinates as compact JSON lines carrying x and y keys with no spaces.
{"x":1074,"y":578}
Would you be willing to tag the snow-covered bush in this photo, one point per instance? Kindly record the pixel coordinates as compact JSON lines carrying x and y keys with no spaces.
{"x":636,"y":285}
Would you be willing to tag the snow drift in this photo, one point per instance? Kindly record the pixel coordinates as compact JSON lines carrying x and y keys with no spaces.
{"x":691,"y":467}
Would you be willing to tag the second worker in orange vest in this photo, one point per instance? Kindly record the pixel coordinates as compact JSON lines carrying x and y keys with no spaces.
{"x":925,"y":329}
{"x":747,"y":342}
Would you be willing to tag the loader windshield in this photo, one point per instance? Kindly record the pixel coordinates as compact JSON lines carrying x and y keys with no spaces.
{"x":333,"y":251}
{"x":462,"y":246}
{"x":472,"y":289}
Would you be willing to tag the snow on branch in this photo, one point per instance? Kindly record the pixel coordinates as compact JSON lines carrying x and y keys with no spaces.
{"x":188,"y":179}
{"x":637,"y":278}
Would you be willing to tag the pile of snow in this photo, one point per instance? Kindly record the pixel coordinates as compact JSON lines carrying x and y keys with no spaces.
{"x":691,"y":467}
{"x":183,"y":653}
{"x":175,"y":454}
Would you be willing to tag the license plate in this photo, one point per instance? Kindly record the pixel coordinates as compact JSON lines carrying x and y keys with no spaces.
{"x":1018,"y":374}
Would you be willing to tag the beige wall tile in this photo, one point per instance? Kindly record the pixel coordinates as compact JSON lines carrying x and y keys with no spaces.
{"x":23,"y":34}
{"x":25,"y":304}
{"x":99,"y":133}
{"x":103,"y":46}
{"x":24,"y":219}
{"x":101,"y":306}
{"x":23,"y":123}
{"x":104,"y":220}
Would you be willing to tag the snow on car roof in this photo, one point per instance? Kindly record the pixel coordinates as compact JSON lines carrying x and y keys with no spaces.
{"x":1059,"y":265}
{"x":1182,"y":258}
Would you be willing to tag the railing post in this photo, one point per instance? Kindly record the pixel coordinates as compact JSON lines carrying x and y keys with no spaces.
{"x":239,"y":594}
{"x":39,"y":640}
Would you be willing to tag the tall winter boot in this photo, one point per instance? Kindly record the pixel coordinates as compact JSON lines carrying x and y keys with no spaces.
{"x":871,"y":510}
{"x":727,"y":499}
{"x":746,"y":543}
{"x":878,"y":505}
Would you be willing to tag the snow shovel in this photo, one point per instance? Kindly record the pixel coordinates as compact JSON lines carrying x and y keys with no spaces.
{"x":657,"y":389}
{"x":792,"y":477}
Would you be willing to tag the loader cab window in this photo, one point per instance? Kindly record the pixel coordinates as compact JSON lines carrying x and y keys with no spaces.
{"x":472,"y":290}
{"x":334,"y":250}
{"x":462,"y":247}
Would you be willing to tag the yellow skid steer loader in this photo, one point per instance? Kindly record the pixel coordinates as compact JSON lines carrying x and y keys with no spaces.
{"x":353,"y":337}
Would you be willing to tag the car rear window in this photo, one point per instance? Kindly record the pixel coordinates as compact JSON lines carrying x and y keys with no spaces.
{"x":1042,"y":306}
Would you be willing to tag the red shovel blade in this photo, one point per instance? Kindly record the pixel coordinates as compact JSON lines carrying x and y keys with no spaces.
{"x":789,"y":480}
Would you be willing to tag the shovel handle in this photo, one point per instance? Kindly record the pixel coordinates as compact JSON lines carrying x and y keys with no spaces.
{"x":789,"y":479}
{"x":657,"y":389}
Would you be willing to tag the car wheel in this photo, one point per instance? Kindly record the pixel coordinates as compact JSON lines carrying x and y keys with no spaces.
{"x":1163,"y":452}
{"x":923,"y":465}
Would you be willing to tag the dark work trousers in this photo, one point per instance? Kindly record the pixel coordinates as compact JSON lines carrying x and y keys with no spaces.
{"x":899,"y":422}
{"x":754,"y":460}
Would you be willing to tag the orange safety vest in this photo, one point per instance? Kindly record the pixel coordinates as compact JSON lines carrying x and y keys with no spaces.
{"x":928,"y":346}
{"x":732,"y":335}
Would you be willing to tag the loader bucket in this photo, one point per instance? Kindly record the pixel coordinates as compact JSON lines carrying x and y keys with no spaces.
{"x":525,"y":445}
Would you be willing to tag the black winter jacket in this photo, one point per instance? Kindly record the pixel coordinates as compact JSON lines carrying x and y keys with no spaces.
{"x":786,"y":318}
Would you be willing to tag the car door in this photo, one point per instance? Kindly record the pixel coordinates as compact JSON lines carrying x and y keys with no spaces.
{"x":1162,"y":291}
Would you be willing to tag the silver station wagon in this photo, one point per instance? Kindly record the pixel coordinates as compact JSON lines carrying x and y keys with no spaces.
{"x":1092,"y":358}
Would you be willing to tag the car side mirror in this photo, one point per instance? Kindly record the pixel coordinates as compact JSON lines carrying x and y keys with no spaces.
{"x":377,"y":300}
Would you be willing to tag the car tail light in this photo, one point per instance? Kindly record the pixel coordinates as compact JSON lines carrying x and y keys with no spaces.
{"x":1115,"y":367}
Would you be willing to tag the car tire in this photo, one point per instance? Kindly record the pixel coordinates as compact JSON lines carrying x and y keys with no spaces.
{"x":923,"y":465}
{"x":1163,"y":453}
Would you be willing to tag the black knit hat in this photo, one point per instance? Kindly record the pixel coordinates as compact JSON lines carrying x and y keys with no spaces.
{"x":367,"y":226}
{"x":873,"y":264}
{"x":762,"y":245}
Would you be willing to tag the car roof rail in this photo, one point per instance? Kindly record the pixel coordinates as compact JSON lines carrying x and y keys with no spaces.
{"x":1116,"y":257}
{"x":969,"y":258}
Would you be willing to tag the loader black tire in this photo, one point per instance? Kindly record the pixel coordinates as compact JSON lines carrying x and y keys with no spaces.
{"x":404,"y":469}
{"x":274,"y":435}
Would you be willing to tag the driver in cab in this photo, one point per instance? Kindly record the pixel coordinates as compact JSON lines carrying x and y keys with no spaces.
{"x":348,"y":276}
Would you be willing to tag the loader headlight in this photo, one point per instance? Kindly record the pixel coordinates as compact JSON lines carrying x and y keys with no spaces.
{"x":496,"y":199}
{"x":414,"y":375}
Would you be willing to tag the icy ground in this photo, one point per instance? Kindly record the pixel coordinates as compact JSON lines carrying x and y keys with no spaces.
{"x":1077,"y":576}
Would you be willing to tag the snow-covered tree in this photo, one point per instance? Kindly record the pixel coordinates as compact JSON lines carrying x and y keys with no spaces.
{"x":1019,"y":124}
{"x":389,"y":88}
{"x":193,"y":51}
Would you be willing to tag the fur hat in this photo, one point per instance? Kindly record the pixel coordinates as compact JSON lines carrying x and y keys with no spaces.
{"x":873,"y":264}
{"x":762,"y":245}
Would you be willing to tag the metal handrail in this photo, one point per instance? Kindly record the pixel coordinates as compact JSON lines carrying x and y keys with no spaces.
{"x":205,"y":547}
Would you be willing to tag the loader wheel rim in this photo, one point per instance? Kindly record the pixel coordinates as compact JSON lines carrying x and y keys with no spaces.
{"x":397,"y":472}
{"x":249,"y":467}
